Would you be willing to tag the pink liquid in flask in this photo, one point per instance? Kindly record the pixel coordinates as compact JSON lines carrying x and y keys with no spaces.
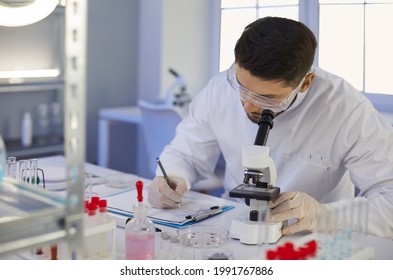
{"x":139,"y":246}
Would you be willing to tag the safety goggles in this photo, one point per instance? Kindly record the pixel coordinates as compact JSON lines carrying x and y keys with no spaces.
{"x":260,"y":100}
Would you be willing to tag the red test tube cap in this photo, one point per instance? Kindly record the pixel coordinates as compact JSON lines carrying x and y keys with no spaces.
{"x":95,"y":199}
{"x":102,"y":203}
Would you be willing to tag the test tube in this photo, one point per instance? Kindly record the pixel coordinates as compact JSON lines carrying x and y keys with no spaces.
{"x":11,"y":167}
{"x":325,"y":235}
{"x":264,"y":219}
{"x":360,"y":224}
{"x":33,"y":171}
{"x":88,"y":186}
{"x":22,"y":170}
{"x":164,"y":252}
{"x":338,"y":237}
{"x":346,"y":247}
{"x":187,"y":248}
{"x":174,"y":247}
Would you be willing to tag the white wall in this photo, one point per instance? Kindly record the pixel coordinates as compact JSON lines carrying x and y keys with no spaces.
{"x":175,"y":34}
{"x":112,"y":70}
{"x":186,"y":45}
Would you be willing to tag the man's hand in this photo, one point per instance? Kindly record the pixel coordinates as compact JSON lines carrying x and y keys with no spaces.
{"x":300,"y":206}
{"x":160,"y":195}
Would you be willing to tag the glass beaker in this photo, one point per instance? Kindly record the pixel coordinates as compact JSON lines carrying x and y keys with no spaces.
{"x":11,"y":167}
{"x":42,"y":129}
{"x":56,"y":122}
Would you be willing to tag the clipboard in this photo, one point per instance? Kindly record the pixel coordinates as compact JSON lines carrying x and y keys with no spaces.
{"x":192,"y":210}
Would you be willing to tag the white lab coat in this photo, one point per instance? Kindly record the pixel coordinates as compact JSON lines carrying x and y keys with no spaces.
{"x":330,"y":139}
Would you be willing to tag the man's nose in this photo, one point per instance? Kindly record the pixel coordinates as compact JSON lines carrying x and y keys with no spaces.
{"x":249,"y":107}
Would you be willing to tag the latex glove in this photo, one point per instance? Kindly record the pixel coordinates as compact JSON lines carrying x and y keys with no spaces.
{"x":300,"y":206}
{"x":160,"y":195}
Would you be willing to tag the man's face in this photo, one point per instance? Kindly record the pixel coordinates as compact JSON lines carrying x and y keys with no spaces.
{"x":273,"y":91}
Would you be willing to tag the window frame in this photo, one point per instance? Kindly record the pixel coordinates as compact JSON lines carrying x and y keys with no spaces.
{"x":309,"y":15}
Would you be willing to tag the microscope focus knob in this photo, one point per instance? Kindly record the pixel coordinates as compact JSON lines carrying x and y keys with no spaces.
{"x":254,"y":215}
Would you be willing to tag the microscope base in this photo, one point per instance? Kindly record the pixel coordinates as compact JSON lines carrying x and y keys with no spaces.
{"x":252,"y":233}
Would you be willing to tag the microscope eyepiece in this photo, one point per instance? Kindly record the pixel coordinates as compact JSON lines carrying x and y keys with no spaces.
{"x":265,"y":124}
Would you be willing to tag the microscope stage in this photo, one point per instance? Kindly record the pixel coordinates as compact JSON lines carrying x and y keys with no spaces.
{"x":253,"y":192}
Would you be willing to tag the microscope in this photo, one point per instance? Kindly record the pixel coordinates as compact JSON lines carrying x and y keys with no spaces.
{"x":259,"y":186}
{"x":180,"y":99}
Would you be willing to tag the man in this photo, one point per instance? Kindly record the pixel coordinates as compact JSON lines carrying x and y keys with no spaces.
{"x":327,"y":137}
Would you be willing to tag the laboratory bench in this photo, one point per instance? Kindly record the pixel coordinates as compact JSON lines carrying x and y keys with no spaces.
{"x":374,"y":247}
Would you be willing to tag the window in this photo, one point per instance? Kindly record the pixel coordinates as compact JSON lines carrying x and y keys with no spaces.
{"x":237,"y":14}
{"x":358,"y":48}
{"x":353,"y":37}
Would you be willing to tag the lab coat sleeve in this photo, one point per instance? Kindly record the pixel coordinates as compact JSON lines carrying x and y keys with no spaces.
{"x":369,"y":159}
{"x":194,"y":152}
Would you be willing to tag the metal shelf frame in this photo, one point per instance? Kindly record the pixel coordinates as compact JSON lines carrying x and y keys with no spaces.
{"x":35,"y":216}
{"x":58,"y":219}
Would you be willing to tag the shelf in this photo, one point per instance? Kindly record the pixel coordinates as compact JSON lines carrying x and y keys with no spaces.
{"x":32,"y":86}
{"x":37,"y":149}
{"x":29,"y":216}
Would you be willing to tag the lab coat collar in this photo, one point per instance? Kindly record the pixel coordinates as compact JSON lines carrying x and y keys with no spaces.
{"x":299,"y":98}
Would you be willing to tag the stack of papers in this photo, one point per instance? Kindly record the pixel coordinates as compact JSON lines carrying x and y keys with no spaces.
{"x":191,"y":210}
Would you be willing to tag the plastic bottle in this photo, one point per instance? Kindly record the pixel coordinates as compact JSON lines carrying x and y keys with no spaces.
{"x":27,"y":130}
{"x":91,"y":241}
{"x":140,"y":232}
{"x":3,"y":155}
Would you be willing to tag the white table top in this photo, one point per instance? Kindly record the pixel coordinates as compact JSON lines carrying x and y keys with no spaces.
{"x":129,"y":114}
{"x":383,"y":248}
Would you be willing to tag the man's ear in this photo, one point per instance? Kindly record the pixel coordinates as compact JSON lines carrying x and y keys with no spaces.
{"x":307,"y":82}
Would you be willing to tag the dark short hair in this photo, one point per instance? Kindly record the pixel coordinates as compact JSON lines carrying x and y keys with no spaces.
{"x":275,"y":48}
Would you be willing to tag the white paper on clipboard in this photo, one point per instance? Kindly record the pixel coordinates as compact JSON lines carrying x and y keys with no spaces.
{"x":121,"y":206}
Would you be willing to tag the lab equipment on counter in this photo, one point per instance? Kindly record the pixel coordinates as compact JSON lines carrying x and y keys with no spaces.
{"x":193,"y":242}
{"x":340,"y":235}
{"x":56,"y":122}
{"x":121,"y":181}
{"x":26,"y":171}
{"x":99,"y":231}
{"x":29,"y":216}
{"x":99,"y":242}
{"x":11,"y":167}
{"x":140,"y":231}
{"x":252,"y":227}
{"x":42,"y":123}
{"x":198,"y":240}
{"x":175,"y":98}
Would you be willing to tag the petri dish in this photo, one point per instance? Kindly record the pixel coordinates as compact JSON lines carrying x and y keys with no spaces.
{"x":121,"y":181}
{"x":203,"y":236}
